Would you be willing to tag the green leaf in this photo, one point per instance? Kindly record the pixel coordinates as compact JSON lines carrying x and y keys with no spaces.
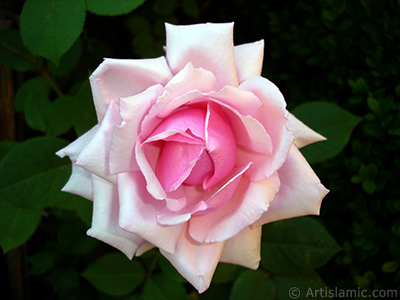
{"x":306,"y":286}
{"x":390,"y":266}
{"x":50,"y":27}
{"x":112,"y":7}
{"x":72,"y":238}
{"x":68,"y":61}
{"x":17,"y":224}
{"x":259,"y":285}
{"x":330,"y":121}
{"x":191,"y":8}
{"x":33,"y":88}
{"x":170,"y":271}
{"x":58,"y":116}
{"x":114,"y":274}
{"x":31,"y":175}
{"x":296,"y":246}
{"x":12,"y":51}
{"x":84,"y":116}
{"x":5,"y":147}
{"x":162,"y":287}
{"x":66,"y":282}
{"x":227,"y":272}
{"x":253,"y":285}
{"x":41,"y":262}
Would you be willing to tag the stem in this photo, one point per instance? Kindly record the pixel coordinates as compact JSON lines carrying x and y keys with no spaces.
{"x":38,"y":67}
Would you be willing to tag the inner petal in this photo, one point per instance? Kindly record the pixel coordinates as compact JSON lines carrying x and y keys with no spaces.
{"x":221,"y":144}
{"x":176,"y":162}
{"x":204,"y":167}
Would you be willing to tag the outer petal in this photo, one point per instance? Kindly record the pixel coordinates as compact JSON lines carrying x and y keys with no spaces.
{"x":195,"y":261}
{"x":246,"y":206}
{"x":244,"y":248}
{"x":132,"y":110}
{"x":119,"y":78}
{"x":249,"y":60}
{"x":80,"y":182}
{"x":300,"y":194}
{"x":303,"y":135}
{"x":95,"y":156}
{"x":209,"y":46}
{"x":273,"y":116}
{"x":138,"y":211}
{"x":105,"y":219}
{"x":75,"y":148}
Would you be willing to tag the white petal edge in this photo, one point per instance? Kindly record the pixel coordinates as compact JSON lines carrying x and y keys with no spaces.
{"x":303,"y":135}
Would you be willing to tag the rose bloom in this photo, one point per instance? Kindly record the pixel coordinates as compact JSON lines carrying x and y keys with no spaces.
{"x":192,"y":154}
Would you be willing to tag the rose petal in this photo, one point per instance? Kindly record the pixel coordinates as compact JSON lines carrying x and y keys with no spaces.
{"x":194,"y":261}
{"x":153,"y":150}
{"x":181,"y":121}
{"x":200,"y":202}
{"x":301,"y":191}
{"x":247,"y":205}
{"x":249,"y":59}
{"x":132,"y":110}
{"x":188,"y":79}
{"x":176,"y":162}
{"x":273,"y":116}
{"x":80,"y":183}
{"x":75,"y":148}
{"x":105,"y":219}
{"x":95,"y":156}
{"x":203,"y":168}
{"x":119,"y":78}
{"x":244,"y":248}
{"x":244,"y":102}
{"x":138,"y":211}
{"x":209,"y":46}
{"x":303,"y":135}
{"x":220,"y":143}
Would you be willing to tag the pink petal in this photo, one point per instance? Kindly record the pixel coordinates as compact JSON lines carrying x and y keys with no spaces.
{"x":195,"y":261}
{"x":95,"y":156}
{"x":105,"y":219}
{"x":176,"y":162}
{"x":138,"y":211}
{"x":153,"y":151}
{"x":75,"y":148}
{"x":250,"y":133}
{"x":132,"y":110}
{"x":301,"y":191}
{"x":249,"y":59}
{"x":273,"y":116}
{"x":120,"y":78}
{"x":188,"y":79}
{"x":208,"y":46}
{"x":244,"y":248}
{"x":220,"y":143}
{"x":203,"y":168}
{"x":247,"y":205}
{"x":198,"y":201}
{"x":303,"y":135}
{"x":80,"y":183}
{"x":244,"y":102}
{"x":181,"y":121}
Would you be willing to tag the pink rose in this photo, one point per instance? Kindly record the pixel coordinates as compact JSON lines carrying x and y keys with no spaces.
{"x":192,"y":154}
